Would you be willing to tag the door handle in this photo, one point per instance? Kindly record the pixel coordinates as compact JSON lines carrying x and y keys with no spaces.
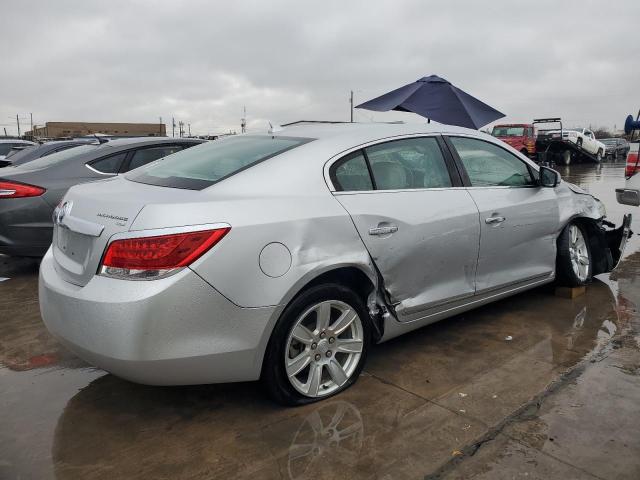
{"x":494,"y":220}
{"x":386,"y":230}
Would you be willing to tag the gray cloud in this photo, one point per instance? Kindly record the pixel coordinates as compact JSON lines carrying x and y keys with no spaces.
{"x":202,"y":61}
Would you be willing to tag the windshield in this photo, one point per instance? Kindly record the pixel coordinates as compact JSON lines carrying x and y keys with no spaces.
{"x":57,"y":157}
{"x":201,"y":166}
{"x":508,"y":131}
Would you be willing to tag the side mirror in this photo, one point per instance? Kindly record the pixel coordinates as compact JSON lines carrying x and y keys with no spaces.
{"x":548,"y":177}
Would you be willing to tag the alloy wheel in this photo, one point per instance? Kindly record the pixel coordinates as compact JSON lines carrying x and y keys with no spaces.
{"x":324,"y":348}
{"x":579,"y":253}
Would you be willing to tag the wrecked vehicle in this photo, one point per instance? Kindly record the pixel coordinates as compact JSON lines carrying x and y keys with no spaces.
{"x":285,"y":257}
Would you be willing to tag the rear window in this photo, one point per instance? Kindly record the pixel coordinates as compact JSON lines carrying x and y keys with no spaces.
{"x":57,"y":157}
{"x":508,"y":131}
{"x":6,"y":147}
{"x":202,"y":166}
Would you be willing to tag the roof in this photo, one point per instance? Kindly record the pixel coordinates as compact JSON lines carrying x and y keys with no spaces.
{"x":351,"y":134}
{"x":123,"y":142}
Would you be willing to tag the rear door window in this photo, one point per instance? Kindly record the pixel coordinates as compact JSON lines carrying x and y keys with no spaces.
{"x":147,"y":155}
{"x":202,"y":166}
{"x":108,"y":165}
{"x":409,"y":163}
{"x":351,"y":173}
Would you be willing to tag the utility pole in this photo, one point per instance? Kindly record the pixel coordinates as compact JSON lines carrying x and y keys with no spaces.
{"x":31,"y":115}
{"x":18,"y":122}
{"x":173,"y":127}
{"x":189,"y":125}
{"x":160,"y":127}
{"x":243,"y":120}
{"x":351,"y":104}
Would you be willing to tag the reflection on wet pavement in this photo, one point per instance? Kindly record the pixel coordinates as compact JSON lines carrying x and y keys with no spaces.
{"x":533,"y":384}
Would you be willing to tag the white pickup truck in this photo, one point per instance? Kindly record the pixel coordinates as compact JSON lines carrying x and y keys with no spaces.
{"x":583,"y":138}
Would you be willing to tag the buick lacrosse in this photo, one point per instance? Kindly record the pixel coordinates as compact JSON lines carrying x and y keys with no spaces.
{"x":285,"y":256}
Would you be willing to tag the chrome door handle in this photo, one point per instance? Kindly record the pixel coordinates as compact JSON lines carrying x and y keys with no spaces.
{"x":383,"y":230}
{"x":494,"y":220}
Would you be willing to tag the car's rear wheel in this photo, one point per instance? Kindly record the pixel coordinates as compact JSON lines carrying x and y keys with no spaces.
{"x":318,"y":346}
{"x":573,"y":264}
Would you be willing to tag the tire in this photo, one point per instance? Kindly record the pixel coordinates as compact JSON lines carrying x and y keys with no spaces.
{"x":599,"y":156}
{"x":322,"y":371}
{"x":571,"y":270}
{"x":566,"y":157}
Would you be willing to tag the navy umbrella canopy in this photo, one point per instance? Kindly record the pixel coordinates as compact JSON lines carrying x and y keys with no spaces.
{"x":435,"y":98}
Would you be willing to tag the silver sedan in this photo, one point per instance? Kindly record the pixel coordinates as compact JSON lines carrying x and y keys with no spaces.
{"x":284,"y":257}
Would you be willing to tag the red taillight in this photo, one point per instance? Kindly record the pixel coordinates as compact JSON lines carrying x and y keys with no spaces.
{"x":157,"y":255}
{"x":632,"y":164}
{"x":19,"y":190}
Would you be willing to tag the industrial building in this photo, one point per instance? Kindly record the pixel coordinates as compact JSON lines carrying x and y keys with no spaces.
{"x":76,"y":129}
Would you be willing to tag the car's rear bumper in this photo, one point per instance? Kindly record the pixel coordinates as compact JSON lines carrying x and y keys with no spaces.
{"x":173,"y":331}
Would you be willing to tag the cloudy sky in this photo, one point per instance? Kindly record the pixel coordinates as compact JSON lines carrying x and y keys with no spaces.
{"x":202,"y":61}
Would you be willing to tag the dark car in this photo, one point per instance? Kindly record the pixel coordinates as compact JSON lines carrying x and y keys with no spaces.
{"x":30,"y":192}
{"x":20,"y":155}
{"x":615,"y":147}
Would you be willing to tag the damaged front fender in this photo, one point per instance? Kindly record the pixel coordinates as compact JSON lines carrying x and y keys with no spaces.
{"x":606,"y":241}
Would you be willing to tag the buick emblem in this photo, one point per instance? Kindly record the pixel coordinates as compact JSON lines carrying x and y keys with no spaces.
{"x":61,"y":212}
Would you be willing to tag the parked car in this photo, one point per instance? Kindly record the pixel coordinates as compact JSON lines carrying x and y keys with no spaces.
{"x":7,"y":144}
{"x":31,"y":152}
{"x":286,"y":256}
{"x":521,"y":136}
{"x":30,"y":192}
{"x":630,"y":194}
{"x":615,"y":147}
{"x":583,"y":138}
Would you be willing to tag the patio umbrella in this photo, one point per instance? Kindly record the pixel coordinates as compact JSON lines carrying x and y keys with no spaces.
{"x":435,"y":98}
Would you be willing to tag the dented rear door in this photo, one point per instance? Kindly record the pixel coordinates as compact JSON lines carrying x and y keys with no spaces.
{"x":421,"y":231}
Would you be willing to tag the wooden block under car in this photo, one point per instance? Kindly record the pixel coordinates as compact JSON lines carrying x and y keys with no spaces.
{"x":570,"y":292}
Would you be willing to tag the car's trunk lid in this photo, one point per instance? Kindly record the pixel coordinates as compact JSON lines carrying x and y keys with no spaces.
{"x":89,"y":216}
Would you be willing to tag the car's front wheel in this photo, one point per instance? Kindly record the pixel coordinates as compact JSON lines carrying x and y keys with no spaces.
{"x":318,"y":346}
{"x":573,"y":264}
{"x":599,"y":155}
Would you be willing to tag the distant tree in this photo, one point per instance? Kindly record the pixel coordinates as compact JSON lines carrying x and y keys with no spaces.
{"x":602,"y":133}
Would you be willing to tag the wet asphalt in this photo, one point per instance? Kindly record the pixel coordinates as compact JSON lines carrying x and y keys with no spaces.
{"x":534,"y":386}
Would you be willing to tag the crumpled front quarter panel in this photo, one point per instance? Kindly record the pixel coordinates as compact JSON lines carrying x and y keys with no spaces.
{"x":575,"y":202}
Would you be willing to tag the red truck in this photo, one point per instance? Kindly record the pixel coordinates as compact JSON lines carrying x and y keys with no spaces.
{"x":521,"y":136}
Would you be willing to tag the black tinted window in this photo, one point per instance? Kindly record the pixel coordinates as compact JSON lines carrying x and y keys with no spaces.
{"x":201,"y":166}
{"x":351,"y":173}
{"x":109,"y":164}
{"x":147,"y":155}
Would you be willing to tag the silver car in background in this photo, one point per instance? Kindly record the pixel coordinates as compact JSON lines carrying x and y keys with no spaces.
{"x":284,"y":257}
